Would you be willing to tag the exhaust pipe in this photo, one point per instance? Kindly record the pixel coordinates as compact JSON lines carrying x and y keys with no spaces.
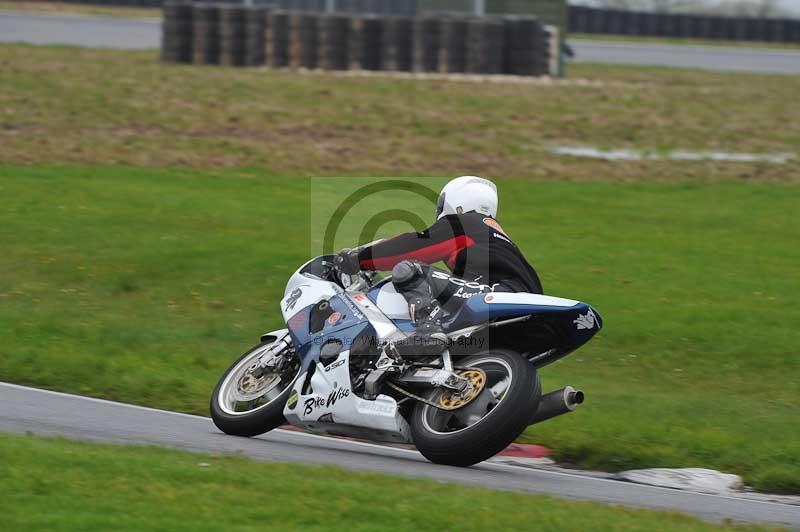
{"x":556,"y":403}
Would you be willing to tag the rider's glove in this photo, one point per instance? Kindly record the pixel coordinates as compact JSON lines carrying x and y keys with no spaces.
{"x":347,"y":261}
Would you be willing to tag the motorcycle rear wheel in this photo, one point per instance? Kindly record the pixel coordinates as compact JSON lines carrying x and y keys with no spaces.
{"x":486,"y":425}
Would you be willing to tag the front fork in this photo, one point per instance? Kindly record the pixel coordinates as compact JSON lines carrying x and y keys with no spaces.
{"x":270,"y":358}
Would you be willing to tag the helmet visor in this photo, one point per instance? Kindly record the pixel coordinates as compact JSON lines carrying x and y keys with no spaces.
{"x":440,"y":205}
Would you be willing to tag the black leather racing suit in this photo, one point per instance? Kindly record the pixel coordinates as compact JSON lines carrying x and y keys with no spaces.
{"x":479,"y":253}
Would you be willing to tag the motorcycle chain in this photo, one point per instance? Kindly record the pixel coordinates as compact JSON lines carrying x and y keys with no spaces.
{"x":417,"y":397}
{"x":422,"y":399}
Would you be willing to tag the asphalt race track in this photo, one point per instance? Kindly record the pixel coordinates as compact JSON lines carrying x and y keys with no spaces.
{"x":108,"y":32}
{"x":45,"y":413}
{"x":721,"y":58}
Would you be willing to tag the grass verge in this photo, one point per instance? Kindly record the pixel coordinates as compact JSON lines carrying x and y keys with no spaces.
{"x":143,"y":285}
{"x":58,"y":8}
{"x":105,"y":107}
{"x":56,"y":485}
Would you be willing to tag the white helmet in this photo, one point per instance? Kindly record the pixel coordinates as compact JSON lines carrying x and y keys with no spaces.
{"x":467,"y":194}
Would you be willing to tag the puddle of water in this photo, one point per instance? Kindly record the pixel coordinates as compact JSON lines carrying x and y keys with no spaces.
{"x":634,"y":155}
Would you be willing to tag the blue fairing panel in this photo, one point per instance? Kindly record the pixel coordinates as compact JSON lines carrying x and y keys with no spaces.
{"x":350,"y":324}
{"x":376,"y":289}
{"x":309,"y":352}
{"x":407,"y":326}
{"x":568,"y":323}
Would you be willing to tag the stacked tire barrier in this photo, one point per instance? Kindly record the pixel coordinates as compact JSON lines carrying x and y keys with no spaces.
{"x":453,"y":48}
{"x":303,"y":40}
{"x":523,"y":38}
{"x":366,"y":36}
{"x":232,"y":35}
{"x":426,"y":38}
{"x":177,"y":44}
{"x":235,"y":35}
{"x":254,"y":36}
{"x":276,"y":47}
{"x":334,"y":41}
{"x":617,"y":22}
{"x":485,"y":50}
{"x":397,"y":44}
{"x":205,"y":34}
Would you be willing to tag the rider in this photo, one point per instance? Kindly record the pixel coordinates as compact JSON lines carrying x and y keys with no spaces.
{"x":468,"y":239}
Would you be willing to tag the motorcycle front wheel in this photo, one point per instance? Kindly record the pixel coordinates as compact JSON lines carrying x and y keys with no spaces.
{"x":487,"y":424}
{"x":248,"y":401}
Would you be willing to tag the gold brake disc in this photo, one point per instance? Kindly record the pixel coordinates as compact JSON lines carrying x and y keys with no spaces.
{"x":452,"y":400}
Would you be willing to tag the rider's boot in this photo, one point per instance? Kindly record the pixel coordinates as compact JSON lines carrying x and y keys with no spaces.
{"x":429,"y":339}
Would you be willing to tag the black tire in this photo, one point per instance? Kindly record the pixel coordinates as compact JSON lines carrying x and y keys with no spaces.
{"x":261,"y":420}
{"x":494,"y":432}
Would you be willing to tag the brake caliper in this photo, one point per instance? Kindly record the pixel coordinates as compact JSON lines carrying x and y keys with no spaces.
{"x":470,"y":384}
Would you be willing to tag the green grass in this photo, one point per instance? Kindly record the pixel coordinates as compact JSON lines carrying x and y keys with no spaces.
{"x":56,"y":485}
{"x":105,"y":107}
{"x":158,"y":249}
{"x":143,"y":285}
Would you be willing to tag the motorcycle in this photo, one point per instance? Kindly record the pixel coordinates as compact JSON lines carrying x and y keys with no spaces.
{"x":335,"y":368}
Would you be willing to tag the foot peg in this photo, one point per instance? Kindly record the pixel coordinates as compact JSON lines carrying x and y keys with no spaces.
{"x":372,"y":384}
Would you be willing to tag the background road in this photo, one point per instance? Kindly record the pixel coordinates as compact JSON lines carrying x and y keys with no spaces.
{"x":78,"y":30}
{"x":49,"y":413}
{"x":107,"y":32}
{"x":731,"y":59}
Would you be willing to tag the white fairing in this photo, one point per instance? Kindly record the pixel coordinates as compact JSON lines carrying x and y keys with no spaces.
{"x":524,"y":298}
{"x":312,"y":291}
{"x":385,"y":329}
{"x":392,"y":303}
{"x":330,"y":406}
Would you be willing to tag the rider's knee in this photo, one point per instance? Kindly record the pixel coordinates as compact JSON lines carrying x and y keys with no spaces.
{"x":406,"y":273}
